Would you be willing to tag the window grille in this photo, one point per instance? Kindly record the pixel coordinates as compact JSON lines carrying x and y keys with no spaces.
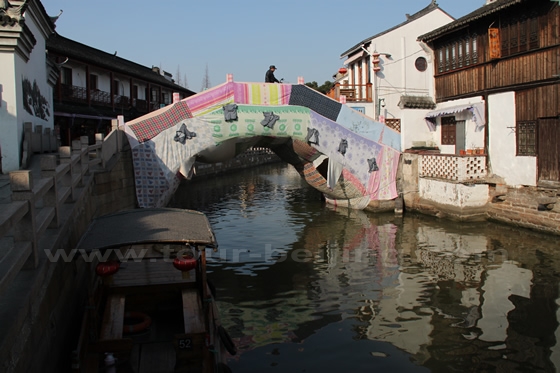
{"x":448,"y":130}
{"x":460,"y":53}
{"x":526,"y":133}
{"x":520,"y":34}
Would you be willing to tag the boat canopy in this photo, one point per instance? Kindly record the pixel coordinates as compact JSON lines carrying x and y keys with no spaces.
{"x":149,"y":225}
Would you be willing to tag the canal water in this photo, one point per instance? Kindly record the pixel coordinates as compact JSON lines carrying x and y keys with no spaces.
{"x":304,"y":287}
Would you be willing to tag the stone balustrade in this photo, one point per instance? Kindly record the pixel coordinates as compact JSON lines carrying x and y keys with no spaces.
{"x":38,"y":196}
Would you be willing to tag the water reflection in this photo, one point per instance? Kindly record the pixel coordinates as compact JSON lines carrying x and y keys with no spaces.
{"x":305,"y":287}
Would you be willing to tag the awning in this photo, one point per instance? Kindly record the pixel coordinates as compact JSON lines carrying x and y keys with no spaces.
{"x":354,"y":58}
{"x":476,"y":109}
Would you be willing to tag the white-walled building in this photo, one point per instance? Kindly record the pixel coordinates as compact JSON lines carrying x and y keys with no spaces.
{"x":389,"y":76}
{"x":502,"y":143}
{"x":498,"y":68}
{"x":27,"y":77}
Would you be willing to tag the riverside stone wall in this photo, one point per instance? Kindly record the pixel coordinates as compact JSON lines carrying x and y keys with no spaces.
{"x":528,"y":207}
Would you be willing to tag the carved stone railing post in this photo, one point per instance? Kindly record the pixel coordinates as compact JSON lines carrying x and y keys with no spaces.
{"x":99,"y":137}
{"x":37,"y":140}
{"x":78,"y":167}
{"x":65,"y":154}
{"x":21,"y":183}
{"x":46,"y":141}
{"x":50,"y":199}
{"x":84,"y":143}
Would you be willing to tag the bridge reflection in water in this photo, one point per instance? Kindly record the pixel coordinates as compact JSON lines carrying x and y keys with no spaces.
{"x":304,"y":287}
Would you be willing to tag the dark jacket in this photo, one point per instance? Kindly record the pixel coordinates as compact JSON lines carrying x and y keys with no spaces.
{"x":270,"y":78}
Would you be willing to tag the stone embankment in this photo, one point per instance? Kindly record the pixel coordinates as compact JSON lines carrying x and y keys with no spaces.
{"x":529,"y":207}
{"x":463,"y":189}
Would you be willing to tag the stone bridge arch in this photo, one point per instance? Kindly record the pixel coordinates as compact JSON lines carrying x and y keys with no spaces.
{"x":347,"y":156}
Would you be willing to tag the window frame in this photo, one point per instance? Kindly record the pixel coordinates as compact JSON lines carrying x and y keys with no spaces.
{"x":448,"y":130}
{"x":66,"y":75}
{"x":458,"y":54}
{"x":93,"y":82}
{"x":520,"y":34}
{"x":526,"y":138}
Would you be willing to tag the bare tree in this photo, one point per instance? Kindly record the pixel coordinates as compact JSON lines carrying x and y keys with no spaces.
{"x":206,"y":80}
{"x":185,"y":81}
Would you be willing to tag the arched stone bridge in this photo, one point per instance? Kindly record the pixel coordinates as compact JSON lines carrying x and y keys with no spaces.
{"x":347,"y":156}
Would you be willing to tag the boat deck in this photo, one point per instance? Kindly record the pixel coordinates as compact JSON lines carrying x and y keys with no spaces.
{"x":146,"y":311}
{"x":148,"y":274}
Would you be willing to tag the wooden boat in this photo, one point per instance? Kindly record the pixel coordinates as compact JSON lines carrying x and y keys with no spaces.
{"x":151,"y":308}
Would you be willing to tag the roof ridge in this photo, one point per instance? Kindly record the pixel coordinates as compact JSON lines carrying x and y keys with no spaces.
{"x":409,"y":18}
{"x":433,"y":5}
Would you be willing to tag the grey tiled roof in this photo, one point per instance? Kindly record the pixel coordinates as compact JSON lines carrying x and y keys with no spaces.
{"x":481,"y":12}
{"x":65,"y":47}
{"x":417,"y":102}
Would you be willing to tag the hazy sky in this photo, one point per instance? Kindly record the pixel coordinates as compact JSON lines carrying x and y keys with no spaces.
{"x":243,"y":37}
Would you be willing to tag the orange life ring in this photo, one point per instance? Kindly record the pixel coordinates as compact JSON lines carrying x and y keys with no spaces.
{"x":143,"y":324}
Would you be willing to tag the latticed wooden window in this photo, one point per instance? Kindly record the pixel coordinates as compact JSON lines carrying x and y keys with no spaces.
{"x":393,"y":123}
{"x":474,"y":41}
{"x":448,"y":130}
{"x":533,"y":31}
{"x":457,"y":54}
{"x":526,"y":138}
{"x":520,"y":34}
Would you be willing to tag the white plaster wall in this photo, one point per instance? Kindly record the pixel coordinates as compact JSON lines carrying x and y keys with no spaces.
{"x":515,"y":170}
{"x":8,"y":114}
{"x":35,"y":70}
{"x":79,"y":78}
{"x":398,"y":75}
{"x":414,"y":128}
{"x":458,"y":195}
{"x":103,"y":80}
{"x":473,"y":139}
{"x":125,"y":87}
{"x":142,"y":91}
{"x":12,"y":112}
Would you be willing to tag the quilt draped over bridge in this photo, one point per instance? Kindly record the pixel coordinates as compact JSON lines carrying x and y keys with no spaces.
{"x":349,"y":157}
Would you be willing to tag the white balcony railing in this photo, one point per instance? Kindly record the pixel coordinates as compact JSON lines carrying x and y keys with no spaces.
{"x":464,"y":168}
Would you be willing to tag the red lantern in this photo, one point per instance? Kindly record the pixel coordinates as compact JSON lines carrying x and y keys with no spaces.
{"x":107,"y":268}
{"x":184,"y":264}
{"x":343,"y":70}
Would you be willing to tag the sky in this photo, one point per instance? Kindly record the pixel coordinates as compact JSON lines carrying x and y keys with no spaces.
{"x":194,"y":39}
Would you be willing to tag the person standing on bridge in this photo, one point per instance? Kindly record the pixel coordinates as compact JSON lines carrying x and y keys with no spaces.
{"x":269,"y":77}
